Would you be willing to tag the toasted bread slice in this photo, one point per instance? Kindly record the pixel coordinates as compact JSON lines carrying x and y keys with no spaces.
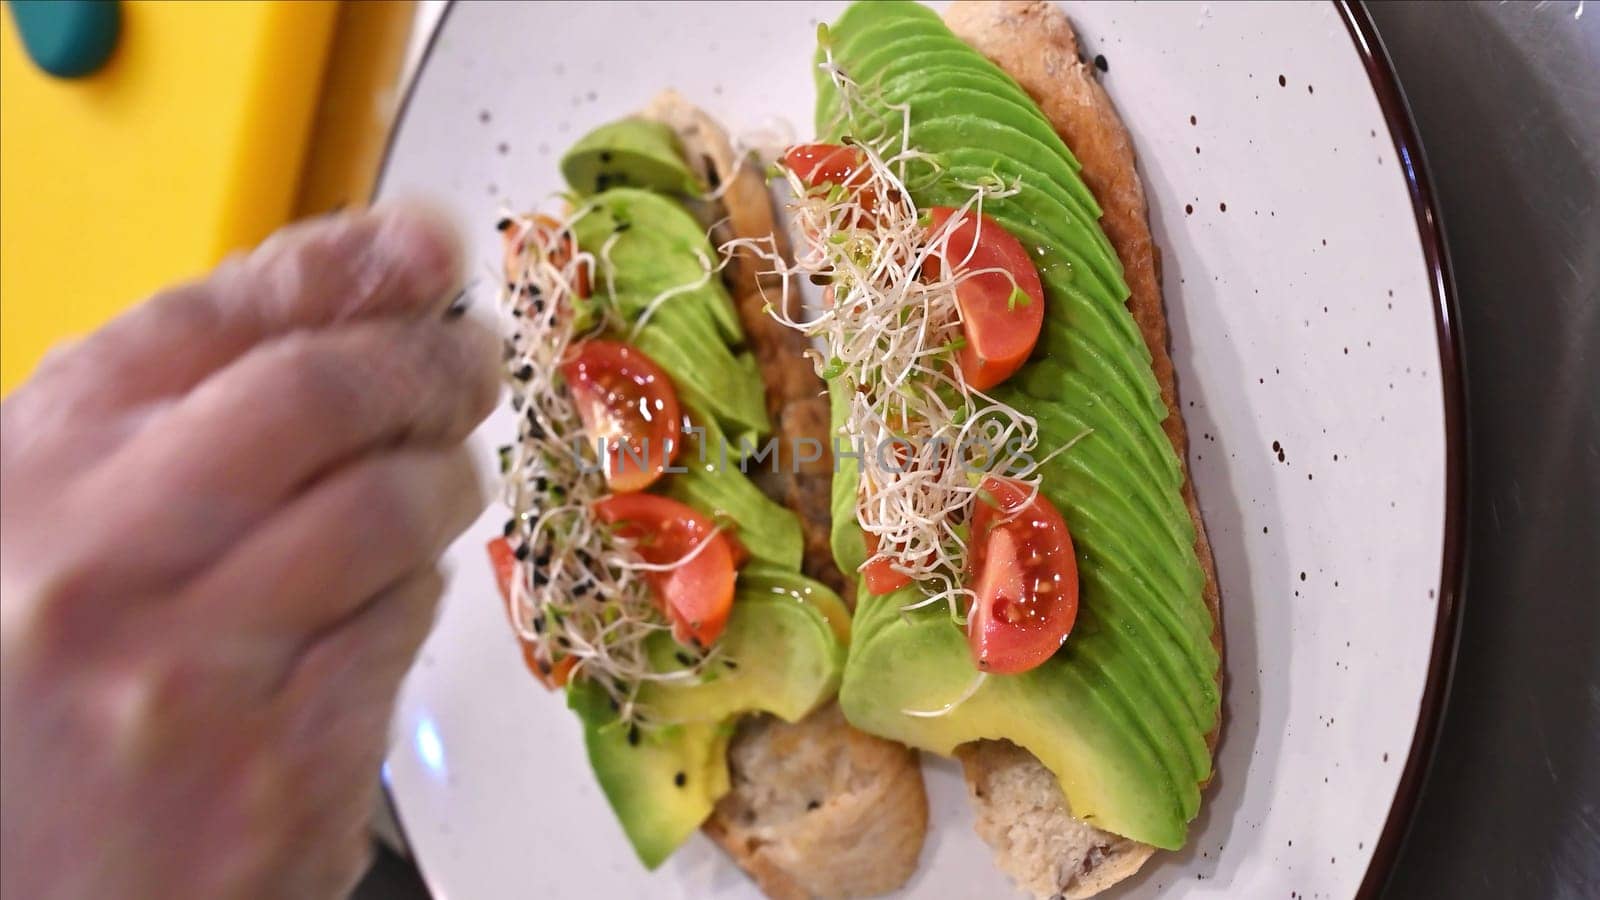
{"x":1022,"y":813}
{"x":816,"y":808}
{"x":819,"y":809}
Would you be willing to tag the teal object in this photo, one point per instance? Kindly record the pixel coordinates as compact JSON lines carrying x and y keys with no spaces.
{"x":68,"y":38}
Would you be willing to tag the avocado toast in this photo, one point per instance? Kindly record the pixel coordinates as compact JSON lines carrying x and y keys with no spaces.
{"x":643,"y":568}
{"x":1037,"y":591}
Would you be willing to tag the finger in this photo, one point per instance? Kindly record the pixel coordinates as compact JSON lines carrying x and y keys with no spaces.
{"x":318,"y":559}
{"x":337,"y":700}
{"x":339,"y":696}
{"x":401,"y":260}
{"x":350,"y":672}
{"x":301,"y":406}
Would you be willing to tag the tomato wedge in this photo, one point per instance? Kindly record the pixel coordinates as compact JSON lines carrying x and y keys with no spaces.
{"x":1000,"y":331}
{"x":880,"y":575}
{"x":820,"y":164}
{"x":1022,"y":567}
{"x":696,"y":593}
{"x":626,"y":401}
{"x":519,"y":236}
{"x":504,"y":562}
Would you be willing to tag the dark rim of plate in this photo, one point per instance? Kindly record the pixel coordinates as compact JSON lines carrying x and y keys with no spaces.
{"x":1441,"y":282}
{"x":1446,"y":317}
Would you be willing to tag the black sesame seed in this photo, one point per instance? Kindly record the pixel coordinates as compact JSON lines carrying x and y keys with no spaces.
{"x":605,"y":156}
{"x":522,"y":551}
{"x":621,"y":227}
{"x":814,"y":804}
{"x":821,"y":280}
{"x":684,"y":659}
{"x":680,"y":779}
{"x":633,"y":735}
{"x":730,"y":664}
{"x":511,"y":527}
{"x":540,"y":579}
{"x":538,"y":624}
{"x":711,"y":172}
{"x":524,"y":373}
{"x":1101,"y":64}
{"x":502,"y":225}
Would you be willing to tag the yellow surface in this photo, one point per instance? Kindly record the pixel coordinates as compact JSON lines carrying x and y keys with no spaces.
{"x":360,"y":94}
{"x":187,"y":145}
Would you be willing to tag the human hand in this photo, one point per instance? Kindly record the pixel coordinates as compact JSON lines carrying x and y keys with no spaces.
{"x":220,"y":519}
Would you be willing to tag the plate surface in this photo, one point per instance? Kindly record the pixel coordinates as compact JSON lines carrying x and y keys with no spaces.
{"x":1302,"y":309}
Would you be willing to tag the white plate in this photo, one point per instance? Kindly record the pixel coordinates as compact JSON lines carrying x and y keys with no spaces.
{"x":1307,"y":313}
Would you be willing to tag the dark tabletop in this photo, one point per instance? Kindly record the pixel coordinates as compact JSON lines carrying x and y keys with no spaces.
{"x":1506,"y":97}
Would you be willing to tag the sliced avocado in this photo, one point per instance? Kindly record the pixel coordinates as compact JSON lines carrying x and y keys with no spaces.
{"x":632,"y":152}
{"x":845,"y":539}
{"x":660,"y":782}
{"x":1121,"y":713}
{"x":655,"y":259}
{"x":713,"y":483}
{"x":786,"y":583}
{"x":783,"y":649}
{"x":777,"y":655}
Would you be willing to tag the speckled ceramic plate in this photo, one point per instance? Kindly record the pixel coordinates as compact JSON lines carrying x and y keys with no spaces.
{"x":1311,"y":328}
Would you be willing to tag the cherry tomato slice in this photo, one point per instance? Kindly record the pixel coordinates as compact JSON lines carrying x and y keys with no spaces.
{"x":1000,"y":331}
{"x":819,"y":164}
{"x":696,"y":593}
{"x":880,"y":575}
{"x":519,"y":235}
{"x":825,"y":164}
{"x":1022,"y":567}
{"x":504,"y":562}
{"x":626,"y":401}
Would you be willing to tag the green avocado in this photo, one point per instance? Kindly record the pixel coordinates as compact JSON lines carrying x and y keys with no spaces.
{"x":630,"y":152}
{"x":783,"y":649}
{"x":656,"y":267}
{"x":1121,"y":713}
{"x":780,"y":654}
{"x":707,"y":476}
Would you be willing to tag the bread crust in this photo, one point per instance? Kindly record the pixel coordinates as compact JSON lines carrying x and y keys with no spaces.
{"x":859,"y":829}
{"x":1033,"y":41}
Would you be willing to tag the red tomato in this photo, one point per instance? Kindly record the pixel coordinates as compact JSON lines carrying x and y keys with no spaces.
{"x":1021,"y":565}
{"x":626,"y":400}
{"x":1000,"y":333}
{"x":880,"y":575}
{"x":819,"y":164}
{"x":696,"y":595}
{"x":823,"y":164}
{"x":518,"y":238}
{"x":504,"y":562}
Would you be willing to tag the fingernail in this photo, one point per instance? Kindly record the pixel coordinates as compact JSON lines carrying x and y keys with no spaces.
{"x":459,"y":303}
